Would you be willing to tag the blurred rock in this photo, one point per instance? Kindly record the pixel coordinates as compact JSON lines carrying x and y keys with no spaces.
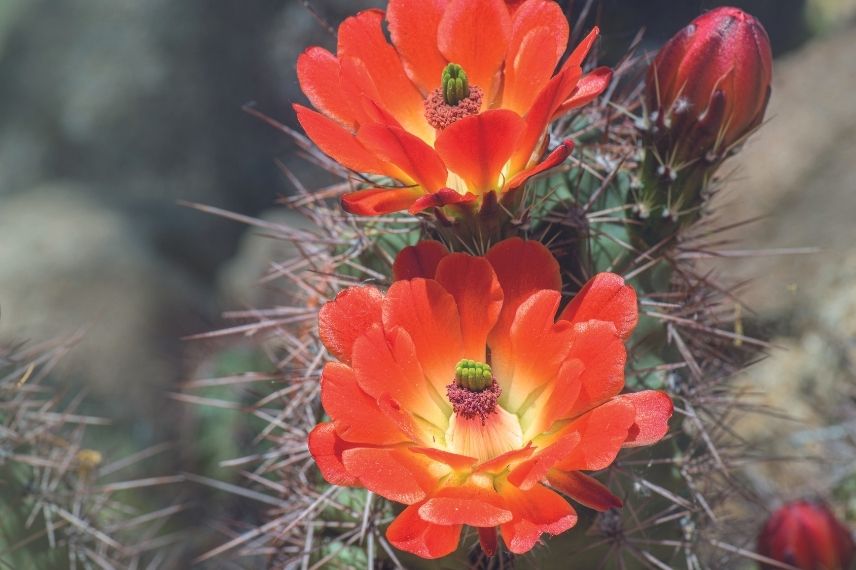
{"x":68,"y":263}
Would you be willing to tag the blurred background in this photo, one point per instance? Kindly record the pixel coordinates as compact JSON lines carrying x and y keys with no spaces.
{"x":113,"y":111}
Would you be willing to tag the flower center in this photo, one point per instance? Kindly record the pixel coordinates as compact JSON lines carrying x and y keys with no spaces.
{"x":454,"y":99}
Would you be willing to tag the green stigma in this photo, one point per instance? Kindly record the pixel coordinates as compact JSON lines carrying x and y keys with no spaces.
{"x":455,"y":85}
{"x":472,"y":375}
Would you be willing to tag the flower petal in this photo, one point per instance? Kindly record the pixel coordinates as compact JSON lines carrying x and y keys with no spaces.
{"x":344,"y":319}
{"x":361,"y":37}
{"x":395,"y":474}
{"x":466,"y":504}
{"x":488,"y":540}
{"x":603,"y":430}
{"x":597,"y":345}
{"x":503,"y":461}
{"x":605,"y":298}
{"x":410,"y":533}
{"x":454,"y":460}
{"x":475,"y":34}
{"x":529,"y":473}
{"x":653,"y":410}
{"x":430,"y":316}
{"x":554,"y":159}
{"x":354,"y":413}
{"x":584,"y":489}
{"x":440,"y":198}
{"x":339,"y":144}
{"x":556,"y":402}
{"x":419,"y":260}
{"x":318,"y":73}
{"x":413,"y":27}
{"x":406,"y":151}
{"x":378,"y":201}
{"x":536,"y":511}
{"x":477,"y":147}
{"x":588,"y":89}
{"x":326,"y":448}
{"x":475,"y":287}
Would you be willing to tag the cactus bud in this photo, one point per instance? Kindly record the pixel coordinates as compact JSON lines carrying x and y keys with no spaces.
{"x":456,"y":86}
{"x":806,"y":535}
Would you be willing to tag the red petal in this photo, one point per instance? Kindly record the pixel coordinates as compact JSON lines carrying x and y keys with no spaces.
{"x":429,"y":314}
{"x":488,"y":540}
{"x":475,"y":287}
{"x":605,"y":298}
{"x":361,"y":37}
{"x":554,"y":159}
{"x":406,"y":151}
{"x":385,"y":363}
{"x":395,"y":474}
{"x":653,"y":410}
{"x":536,"y":511}
{"x":413,"y":26}
{"x":419,"y":260}
{"x":522,"y":267}
{"x":531,"y":472}
{"x":584,"y":489}
{"x":468,"y":504}
{"x":538,"y":39}
{"x":477,"y":147}
{"x":603,"y":355}
{"x":410,"y":533}
{"x":340,"y":144}
{"x":378,"y":201}
{"x":554,"y":404}
{"x":326,"y":448}
{"x":318,"y":74}
{"x":354,"y":413}
{"x":474,"y":34}
{"x":453,"y":460}
{"x":349,"y":315}
{"x":440,"y":198}
{"x":502,"y":462}
{"x":588,"y":89}
{"x":603,"y":430}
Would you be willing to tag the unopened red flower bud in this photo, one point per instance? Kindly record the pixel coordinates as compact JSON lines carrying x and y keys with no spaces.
{"x":709,"y":85}
{"x":806,"y":535}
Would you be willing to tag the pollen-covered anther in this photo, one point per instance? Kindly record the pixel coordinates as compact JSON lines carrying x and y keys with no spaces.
{"x":453,"y":100}
{"x":474,"y":392}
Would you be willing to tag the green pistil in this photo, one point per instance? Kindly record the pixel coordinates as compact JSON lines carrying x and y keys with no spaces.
{"x":472,"y":375}
{"x":456,"y":87}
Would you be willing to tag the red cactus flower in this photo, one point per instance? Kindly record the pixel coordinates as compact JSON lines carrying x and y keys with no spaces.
{"x":709,"y":85}
{"x":461,"y":394}
{"x":456,"y":107}
{"x":807,"y":535}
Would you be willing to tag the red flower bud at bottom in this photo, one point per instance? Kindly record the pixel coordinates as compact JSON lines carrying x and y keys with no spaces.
{"x":808,"y":536}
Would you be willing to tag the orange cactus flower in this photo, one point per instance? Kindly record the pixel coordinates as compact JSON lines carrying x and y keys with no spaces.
{"x":462,"y":394}
{"x":455,"y":108}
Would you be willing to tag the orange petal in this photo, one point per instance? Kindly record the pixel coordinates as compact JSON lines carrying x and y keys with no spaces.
{"x":582,"y":50}
{"x":326,"y":448}
{"x":584,"y":489}
{"x":410,"y":533}
{"x":430,"y":316}
{"x":354,"y":413}
{"x":349,"y":315}
{"x":318,"y":74}
{"x":339,"y":144}
{"x":488,"y":540}
{"x":378,"y":201}
{"x":361,"y":37}
{"x":605,"y":298}
{"x":603,"y":431}
{"x":477,"y":147}
{"x":475,"y":34}
{"x":454,"y":460}
{"x":406,"y":151}
{"x":413,"y":26}
{"x":553,"y":160}
{"x":395,"y":474}
{"x":539,"y":345}
{"x":502,"y":462}
{"x":385,"y":363}
{"x":440,"y":198}
{"x":588,"y":89}
{"x":473,"y":283}
{"x":522,"y":268}
{"x":556,"y":402}
{"x":603,"y":355}
{"x":538,"y":40}
{"x":536,"y":511}
{"x":467,"y":504}
{"x":653,"y":410}
{"x":531,"y":472}
{"x":419,"y":260}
